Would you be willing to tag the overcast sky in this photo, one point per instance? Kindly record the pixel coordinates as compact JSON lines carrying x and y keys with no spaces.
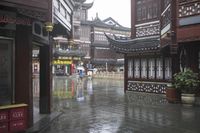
{"x":119,"y":10}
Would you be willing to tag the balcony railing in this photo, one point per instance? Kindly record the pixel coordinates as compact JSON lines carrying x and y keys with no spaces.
{"x":70,"y":52}
{"x":166,"y":17}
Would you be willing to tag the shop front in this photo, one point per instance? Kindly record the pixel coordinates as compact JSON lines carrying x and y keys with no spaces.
{"x":16,"y":43}
{"x":62,"y":67}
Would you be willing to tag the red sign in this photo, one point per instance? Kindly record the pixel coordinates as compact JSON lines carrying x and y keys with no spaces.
{"x":18,"y":125}
{"x":17,"y":114}
{"x":3,"y":116}
{"x":13,"y":20}
{"x":13,"y":118}
{"x":3,"y":127}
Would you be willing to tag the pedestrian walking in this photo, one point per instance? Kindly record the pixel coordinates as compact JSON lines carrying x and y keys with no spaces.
{"x":81,"y":74}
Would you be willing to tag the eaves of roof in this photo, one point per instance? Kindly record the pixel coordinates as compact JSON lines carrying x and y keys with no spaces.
{"x":149,"y":44}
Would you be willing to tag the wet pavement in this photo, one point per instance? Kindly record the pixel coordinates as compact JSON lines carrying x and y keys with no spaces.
{"x":100,"y":106}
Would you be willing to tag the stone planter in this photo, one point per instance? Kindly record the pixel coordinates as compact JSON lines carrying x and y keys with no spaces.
{"x":188,"y":99}
{"x":173,"y":95}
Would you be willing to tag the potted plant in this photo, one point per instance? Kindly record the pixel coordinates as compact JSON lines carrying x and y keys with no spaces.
{"x":188,"y":82}
{"x":173,"y":95}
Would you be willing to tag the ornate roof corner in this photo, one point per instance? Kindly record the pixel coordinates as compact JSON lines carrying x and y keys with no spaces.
{"x":138,"y":45}
{"x":81,"y":1}
{"x":109,"y":23}
{"x":88,"y":5}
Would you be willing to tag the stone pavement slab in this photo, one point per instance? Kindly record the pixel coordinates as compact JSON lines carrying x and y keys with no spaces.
{"x":43,"y":123}
{"x":108,"y":110}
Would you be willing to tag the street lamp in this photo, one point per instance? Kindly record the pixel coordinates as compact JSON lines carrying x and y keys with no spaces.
{"x":49,"y":26}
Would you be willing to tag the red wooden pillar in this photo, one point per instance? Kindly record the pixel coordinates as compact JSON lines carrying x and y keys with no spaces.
{"x":23,"y":69}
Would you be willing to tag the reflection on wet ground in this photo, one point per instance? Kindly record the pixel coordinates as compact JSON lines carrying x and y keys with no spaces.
{"x":100,"y":106}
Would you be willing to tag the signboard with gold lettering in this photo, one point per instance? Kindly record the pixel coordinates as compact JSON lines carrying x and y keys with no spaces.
{"x":62,"y":62}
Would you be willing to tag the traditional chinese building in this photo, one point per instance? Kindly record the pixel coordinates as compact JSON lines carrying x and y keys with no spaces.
{"x":102,"y":57}
{"x":186,"y":33}
{"x":82,"y":30}
{"x":63,"y":52}
{"x":164,"y":41}
{"x":17,"y":37}
{"x":146,"y":68}
{"x":26,"y":26}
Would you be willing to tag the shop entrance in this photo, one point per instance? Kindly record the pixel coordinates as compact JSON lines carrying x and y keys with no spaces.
{"x":36,"y":82}
{"x":6,"y":71}
{"x":41,"y":80}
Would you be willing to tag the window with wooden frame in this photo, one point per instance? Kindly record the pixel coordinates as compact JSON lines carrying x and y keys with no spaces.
{"x":130,"y":68}
{"x":146,"y":9}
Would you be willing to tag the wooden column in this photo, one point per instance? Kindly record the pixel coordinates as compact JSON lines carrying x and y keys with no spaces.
{"x":125,"y":73}
{"x":175,"y":64}
{"x":23,"y":69}
{"x":192,"y":57}
{"x":174,"y":11}
{"x":45,"y":79}
{"x":174,"y":46}
{"x":140,"y":67}
{"x":133,"y":18}
{"x":147,"y":68}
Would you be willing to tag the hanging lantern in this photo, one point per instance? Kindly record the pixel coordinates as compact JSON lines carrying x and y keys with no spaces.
{"x":49,"y":26}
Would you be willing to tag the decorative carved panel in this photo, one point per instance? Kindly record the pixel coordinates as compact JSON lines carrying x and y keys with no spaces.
{"x":158,"y":88}
{"x":148,"y":30}
{"x":189,"y":8}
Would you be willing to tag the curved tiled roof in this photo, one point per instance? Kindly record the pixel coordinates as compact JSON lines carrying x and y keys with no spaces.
{"x":88,"y":5}
{"x":81,"y":3}
{"x":97,"y":22}
{"x":148,"y":44}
